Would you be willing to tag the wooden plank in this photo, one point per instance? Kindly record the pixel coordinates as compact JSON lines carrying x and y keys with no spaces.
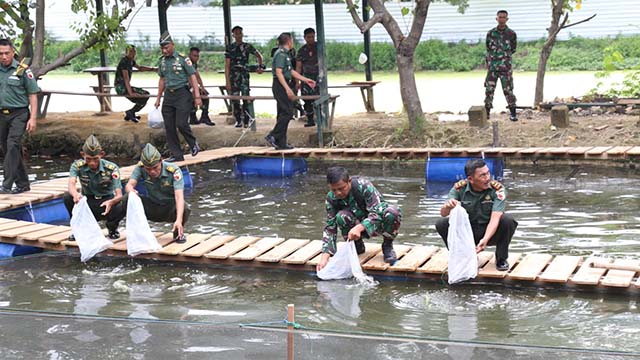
{"x":620,"y":278}
{"x":560,"y":269}
{"x":257,"y":249}
{"x":618,"y":150}
{"x":587,"y":274}
{"x":489,"y":270}
{"x":484,"y":257}
{"x":305,"y":253}
{"x":163,"y":240}
{"x":530,"y":151}
{"x":4,"y":206}
{"x":558,"y":150}
{"x":370,"y":250}
{"x":598,"y":150}
{"x":5,"y":220}
{"x":414,"y":258}
{"x":283,"y":250}
{"x":437,"y":264}
{"x":208,"y":245}
{"x":57,"y":238}
{"x":13,"y":202}
{"x":232,"y":247}
{"x":579,"y":150}
{"x":12,"y":233}
{"x":175,"y":248}
{"x":14,"y":224}
{"x":377,"y":262}
{"x":634,"y":151}
{"x":530,"y":267}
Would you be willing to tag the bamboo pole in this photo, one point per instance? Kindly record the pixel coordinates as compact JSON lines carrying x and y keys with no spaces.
{"x":611,"y":266}
{"x":291,"y":319}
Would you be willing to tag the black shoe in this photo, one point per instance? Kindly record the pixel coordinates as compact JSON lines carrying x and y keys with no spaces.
{"x":238,"y":124}
{"x":488,"y":110}
{"x":180,"y":239}
{"x":360,"y":249}
{"x":173,"y":159}
{"x":513,"y":116}
{"x":19,"y":190}
{"x":271,"y":140}
{"x":71,"y":238}
{"x":114,"y":235}
{"x":388,"y":253}
{"x":310,"y":124}
{"x":4,"y":190}
{"x":502,"y":265}
{"x":195,"y":150}
{"x":129,"y":115}
{"x":285,"y":147}
{"x":207,"y":121}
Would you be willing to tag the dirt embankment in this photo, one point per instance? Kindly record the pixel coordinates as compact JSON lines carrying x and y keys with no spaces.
{"x":63,"y":133}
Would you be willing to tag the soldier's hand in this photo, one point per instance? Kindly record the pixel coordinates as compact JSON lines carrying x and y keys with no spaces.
{"x":311,"y":83}
{"x":259,"y":70}
{"x":451,"y":203}
{"x":355,"y":233}
{"x":481,"y":245}
{"x":107,"y":207}
{"x":157,"y":104}
{"x":77,"y":197}
{"x":31,"y":125}
{"x":290,"y":94}
{"x":228,"y":89}
{"x":197,"y":102}
{"x":178,"y":226}
{"x":324,"y":259}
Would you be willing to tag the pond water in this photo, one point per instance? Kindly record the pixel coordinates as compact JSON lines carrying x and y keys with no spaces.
{"x":140,"y":309}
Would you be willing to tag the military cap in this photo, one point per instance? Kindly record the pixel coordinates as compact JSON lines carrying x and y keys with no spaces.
{"x":150,"y":155}
{"x":236,"y":27}
{"x":91,"y":146}
{"x":165,"y":38}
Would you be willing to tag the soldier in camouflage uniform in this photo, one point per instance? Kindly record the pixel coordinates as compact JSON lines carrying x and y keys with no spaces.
{"x":501,"y":44}
{"x":100,"y":183}
{"x":307,"y":65}
{"x":237,"y":74}
{"x":358,"y":210}
{"x":124,"y":71}
{"x":485,"y":201}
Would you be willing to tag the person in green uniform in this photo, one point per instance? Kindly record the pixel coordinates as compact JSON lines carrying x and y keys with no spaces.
{"x":236,"y":59}
{"x":176,"y":74}
{"x":282,"y":92}
{"x":194,"y":56}
{"x":485,"y":201}
{"x":100,"y":182}
{"x":501,"y":43}
{"x":356,"y":208}
{"x":18,"y":93}
{"x":164,"y":184}
{"x":124,"y":72}
{"x":307,"y":65}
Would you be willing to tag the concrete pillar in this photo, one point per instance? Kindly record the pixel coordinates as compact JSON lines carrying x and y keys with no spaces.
{"x":560,"y":116}
{"x":478,"y":116}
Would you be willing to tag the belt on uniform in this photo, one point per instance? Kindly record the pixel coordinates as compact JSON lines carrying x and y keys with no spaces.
{"x":177,"y":89}
{"x":7,"y":111}
{"x":100,"y":197}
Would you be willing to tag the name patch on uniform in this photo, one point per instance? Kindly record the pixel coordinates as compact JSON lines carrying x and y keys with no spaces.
{"x":13,"y":77}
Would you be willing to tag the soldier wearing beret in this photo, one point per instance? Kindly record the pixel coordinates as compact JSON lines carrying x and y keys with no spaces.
{"x":18,"y":93}
{"x":164,"y":184}
{"x":100,"y":183}
{"x":176,"y":74}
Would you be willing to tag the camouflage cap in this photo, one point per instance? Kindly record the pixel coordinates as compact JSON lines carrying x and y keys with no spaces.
{"x":165,"y":38}
{"x":150,"y":155}
{"x":91,"y":146}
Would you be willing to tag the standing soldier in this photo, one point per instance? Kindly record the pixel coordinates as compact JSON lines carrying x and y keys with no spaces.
{"x":123,"y":83}
{"x":282,"y":75}
{"x":101,"y":184}
{"x":194,"y":56}
{"x":237,"y":74}
{"x":165,"y":191}
{"x":501,"y":44}
{"x":176,"y":74}
{"x":18,"y":93}
{"x":307,"y":65}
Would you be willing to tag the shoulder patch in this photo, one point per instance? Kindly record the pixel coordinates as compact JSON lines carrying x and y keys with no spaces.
{"x":181,"y":54}
{"x":79,"y":163}
{"x":110,"y":166}
{"x":171,"y":169}
{"x":177,"y":175}
{"x":496,"y":185}
{"x":460,"y":184}
{"x":140,"y":164}
{"x":188,"y":61}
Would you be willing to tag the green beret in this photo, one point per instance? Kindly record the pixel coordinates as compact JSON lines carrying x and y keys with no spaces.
{"x":150,"y":155}
{"x":91,"y":146}
{"x":165,"y":38}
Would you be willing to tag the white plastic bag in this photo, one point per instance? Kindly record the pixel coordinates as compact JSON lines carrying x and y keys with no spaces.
{"x":463,"y":261}
{"x":86,"y":231}
{"x":140,"y":239}
{"x":155,"y":120}
{"x":344,"y":264}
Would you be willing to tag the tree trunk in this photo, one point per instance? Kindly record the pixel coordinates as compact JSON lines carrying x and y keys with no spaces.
{"x":545,"y":53}
{"x":38,"y":53}
{"x":409,"y":91}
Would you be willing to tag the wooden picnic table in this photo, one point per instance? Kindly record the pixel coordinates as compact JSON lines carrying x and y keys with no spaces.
{"x":101,"y":72}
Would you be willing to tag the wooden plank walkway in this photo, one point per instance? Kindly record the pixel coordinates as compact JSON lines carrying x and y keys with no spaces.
{"x":418,"y":261}
{"x":53,"y":189}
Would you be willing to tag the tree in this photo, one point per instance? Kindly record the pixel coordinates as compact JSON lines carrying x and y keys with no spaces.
{"x":560,"y":10}
{"x":102,"y":29}
{"x":405,"y":46}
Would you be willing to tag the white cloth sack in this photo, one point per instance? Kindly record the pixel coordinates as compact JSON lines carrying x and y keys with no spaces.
{"x":140,"y":239}
{"x":344,"y":264}
{"x":463,"y":261}
{"x":155,"y":120}
{"x":86,"y":231}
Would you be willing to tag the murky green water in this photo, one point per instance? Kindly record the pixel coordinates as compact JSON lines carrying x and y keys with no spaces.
{"x":559,"y":212}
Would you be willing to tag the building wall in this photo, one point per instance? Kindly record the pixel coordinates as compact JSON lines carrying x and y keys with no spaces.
{"x":529,"y":18}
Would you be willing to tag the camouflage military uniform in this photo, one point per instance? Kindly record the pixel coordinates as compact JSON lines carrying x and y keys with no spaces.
{"x":128,"y":65}
{"x":501,"y":44}
{"x":479,"y":206}
{"x":364,"y":205}
{"x":238,"y":54}
{"x":308,"y":56}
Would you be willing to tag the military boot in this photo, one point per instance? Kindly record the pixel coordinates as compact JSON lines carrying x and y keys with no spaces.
{"x":513,"y":116}
{"x":388,"y":253}
{"x":360,"y":249}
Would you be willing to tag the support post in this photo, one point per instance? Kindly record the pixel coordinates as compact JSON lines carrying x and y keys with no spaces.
{"x":367,"y":51}
{"x":291,"y":319}
{"x":226,"y":15}
{"x":162,"y":16}
{"x":322,"y":115}
{"x":105,"y":102}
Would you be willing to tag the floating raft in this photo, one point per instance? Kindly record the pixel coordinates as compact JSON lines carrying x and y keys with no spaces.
{"x":419,"y":261}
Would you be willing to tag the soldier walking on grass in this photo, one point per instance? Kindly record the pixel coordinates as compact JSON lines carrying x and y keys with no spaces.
{"x":501,"y":44}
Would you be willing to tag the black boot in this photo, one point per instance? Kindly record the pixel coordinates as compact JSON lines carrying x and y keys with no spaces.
{"x":488,"y":110}
{"x":388,"y":253}
{"x":204,"y":119}
{"x":360,"y":249}
{"x":513,"y":116}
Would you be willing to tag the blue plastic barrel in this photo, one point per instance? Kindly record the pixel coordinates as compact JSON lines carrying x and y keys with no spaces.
{"x":269,"y":166}
{"x":442,"y":173}
{"x":11,"y":250}
{"x":48,"y":212}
